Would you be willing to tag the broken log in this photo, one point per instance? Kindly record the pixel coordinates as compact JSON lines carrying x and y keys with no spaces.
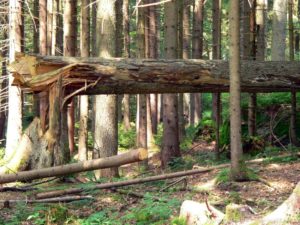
{"x":113,"y":161}
{"x":132,"y":76}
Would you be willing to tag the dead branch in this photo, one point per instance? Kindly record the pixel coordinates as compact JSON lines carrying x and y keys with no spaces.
{"x":49,"y":200}
{"x":173,"y":183}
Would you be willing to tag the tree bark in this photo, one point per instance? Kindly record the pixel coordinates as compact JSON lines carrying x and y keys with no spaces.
{"x":279,"y":29}
{"x":252,"y":115}
{"x":126,"y":24}
{"x":70,"y":42}
{"x":107,"y":162}
{"x":105,"y":106}
{"x":126,"y":118}
{"x":14,"y":122}
{"x":141,"y":120}
{"x":84,"y":101}
{"x":151,"y":76}
{"x":293,"y":123}
{"x":237,"y":164}
{"x":170,"y":149}
{"x":197,"y":52}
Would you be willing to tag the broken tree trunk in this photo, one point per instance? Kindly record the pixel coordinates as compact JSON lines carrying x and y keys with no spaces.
{"x":132,"y":76}
{"x":113,"y":161}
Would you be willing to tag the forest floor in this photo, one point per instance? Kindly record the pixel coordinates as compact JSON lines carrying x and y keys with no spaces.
{"x":159,"y":206}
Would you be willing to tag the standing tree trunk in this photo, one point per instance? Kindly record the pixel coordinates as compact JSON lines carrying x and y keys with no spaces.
{"x":279,"y":30}
{"x":293,"y":122}
{"x":217,"y":55}
{"x":170,"y":148}
{"x":197,"y":52}
{"x":70,"y":39}
{"x":84,"y":103}
{"x":237,"y":164}
{"x":153,"y":50}
{"x":126,"y":45}
{"x":142,"y":105}
{"x":119,"y":48}
{"x":4,"y":83}
{"x":181,"y":125}
{"x":252,"y":96}
{"x":49,"y":26}
{"x":14,"y":123}
{"x":43,"y":96}
{"x":105,"y":106}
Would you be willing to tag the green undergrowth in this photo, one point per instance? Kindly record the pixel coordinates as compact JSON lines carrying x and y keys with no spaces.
{"x":127,"y":139}
{"x":147,"y":211}
{"x":224,"y":176}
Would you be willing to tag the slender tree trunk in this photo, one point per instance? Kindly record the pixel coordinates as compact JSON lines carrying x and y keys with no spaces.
{"x":55,"y":28}
{"x":4,"y":85}
{"x":293,"y":122}
{"x":279,"y":29}
{"x":119,"y":47}
{"x":260,"y":29}
{"x":49,"y":26}
{"x":142,"y":105}
{"x":36,"y":105}
{"x":70,"y":41}
{"x":253,"y":50}
{"x":126,"y":112}
{"x":252,"y":114}
{"x":216,"y":51}
{"x":170,"y":148}
{"x":237,"y":164}
{"x":43,"y":96}
{"x":197,"y":52}
{"x":36,"y":26}
{"x":153,"y":50}
{"x":181,"y":125}
{"x":297,"y":35}
{"x":105,"y":106}
{"x":84,"y":103}
{"x":60,"y":32}
{"x":14,"y":123}
{"x":126,"y":101}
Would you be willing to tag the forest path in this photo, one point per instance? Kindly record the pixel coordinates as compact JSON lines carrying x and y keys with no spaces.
{"x":283,"y":176}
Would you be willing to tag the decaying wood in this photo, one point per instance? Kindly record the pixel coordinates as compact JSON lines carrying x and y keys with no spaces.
{"x":119,"y":76}
{"x":56,"y":193}
{"x":113,"y":161}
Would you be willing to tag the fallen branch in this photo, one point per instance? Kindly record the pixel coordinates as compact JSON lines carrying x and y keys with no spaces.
{"x":113,"y":161}
{"x":17,"y":189}
{"x":128,"y":182}
{"x":48,"y":200}
{"x":173,"y":183}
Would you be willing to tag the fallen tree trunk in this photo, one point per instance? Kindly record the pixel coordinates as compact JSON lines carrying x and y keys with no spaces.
{"x":56,"y":193}
{"x":113,"y":161}
{"x":132,"y":76}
